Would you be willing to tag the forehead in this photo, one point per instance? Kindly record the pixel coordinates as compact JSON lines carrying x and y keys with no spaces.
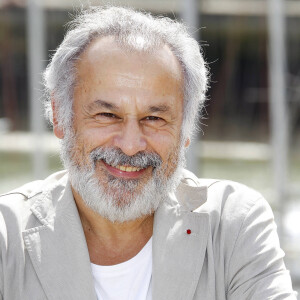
{"x":107,"y":48}
{"x":105,"y":64}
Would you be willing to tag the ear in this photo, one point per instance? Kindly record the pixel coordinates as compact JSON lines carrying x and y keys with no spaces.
{"x":187,"y":142}
{"x":56,"y":129}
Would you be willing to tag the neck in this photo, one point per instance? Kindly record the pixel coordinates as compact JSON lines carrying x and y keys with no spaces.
{"x":111,"y":242}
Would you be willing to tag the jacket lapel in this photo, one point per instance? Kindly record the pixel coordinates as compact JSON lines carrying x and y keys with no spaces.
{"x":58,"y":249}
{"x":178,"y":254}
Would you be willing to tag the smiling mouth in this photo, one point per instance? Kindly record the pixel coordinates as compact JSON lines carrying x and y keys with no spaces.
{"x":125,"y":168}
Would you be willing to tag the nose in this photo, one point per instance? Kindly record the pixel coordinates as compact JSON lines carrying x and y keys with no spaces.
{"x":131,"y":139}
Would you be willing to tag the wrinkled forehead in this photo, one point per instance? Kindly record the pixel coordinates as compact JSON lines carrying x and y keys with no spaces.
{"x":106,"y":53}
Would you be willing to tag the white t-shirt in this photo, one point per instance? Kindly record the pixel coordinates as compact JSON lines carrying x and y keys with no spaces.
{"x":130,"y":280}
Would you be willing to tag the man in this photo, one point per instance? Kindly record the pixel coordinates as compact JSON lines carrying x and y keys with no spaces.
{"x":126,"y":221}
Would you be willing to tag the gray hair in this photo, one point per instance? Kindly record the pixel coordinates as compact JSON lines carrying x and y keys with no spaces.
{"x":127,"y":27}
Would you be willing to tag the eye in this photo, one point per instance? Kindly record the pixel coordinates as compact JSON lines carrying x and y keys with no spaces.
{"x":153,"y":118}
{"x":106,"y":118}
{"x":154,"y":121}
{"x":107,"y":115}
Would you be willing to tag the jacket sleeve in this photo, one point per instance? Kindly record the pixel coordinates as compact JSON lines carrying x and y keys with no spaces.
{"x":256,"y":268}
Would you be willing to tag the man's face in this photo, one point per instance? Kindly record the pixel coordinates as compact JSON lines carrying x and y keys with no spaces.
{"x":129,"y":104}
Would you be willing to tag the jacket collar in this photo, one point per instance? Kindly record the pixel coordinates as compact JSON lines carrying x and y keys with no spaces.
{"x":59,"y":254}
{"x":57,"y":248}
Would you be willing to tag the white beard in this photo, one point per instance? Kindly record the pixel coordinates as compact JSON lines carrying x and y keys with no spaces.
{"x":111,"y":202}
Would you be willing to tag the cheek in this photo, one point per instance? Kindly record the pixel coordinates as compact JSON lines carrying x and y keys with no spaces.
{"x":170,"y":161}
{"x":163,"y":140}
{"x":167,"y":149}
{"x":81,"y":150}
{"x":98,"y":136}
{"x":78,"y":152}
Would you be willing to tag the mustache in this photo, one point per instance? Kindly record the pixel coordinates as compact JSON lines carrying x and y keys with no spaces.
{"x":115,"y":156}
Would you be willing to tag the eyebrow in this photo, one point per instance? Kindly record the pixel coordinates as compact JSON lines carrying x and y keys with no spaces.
{"x":159,"y":108}
{"x":104,"y":104}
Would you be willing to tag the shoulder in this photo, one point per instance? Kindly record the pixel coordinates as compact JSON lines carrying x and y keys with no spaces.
{"x":15,"y":206}
{"x":228,"y":199}
{"x":32,"y":188}
{"x":229,"y":205}
{"x":236,"y":211}
{"x":219,"y":197}
{"x":29,"y":190}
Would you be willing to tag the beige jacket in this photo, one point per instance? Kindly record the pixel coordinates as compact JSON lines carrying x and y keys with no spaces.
{"x":232,"y":252}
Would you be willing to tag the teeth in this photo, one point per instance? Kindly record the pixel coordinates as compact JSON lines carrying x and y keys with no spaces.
{"x":127,"y":168}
